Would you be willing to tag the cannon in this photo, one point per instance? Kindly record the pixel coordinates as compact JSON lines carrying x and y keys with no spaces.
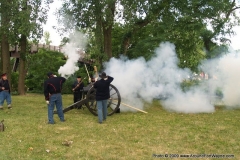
{"x":89,"y":100}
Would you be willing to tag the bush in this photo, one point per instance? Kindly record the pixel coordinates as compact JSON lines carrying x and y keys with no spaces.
{"x":40,"y":64}
{"x":187,"y":84}
{"x":14,"y":82}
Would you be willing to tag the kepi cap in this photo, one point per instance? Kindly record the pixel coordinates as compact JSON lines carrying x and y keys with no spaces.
{"x":4,"y":74}
{"x":103,"y":75}
{"x":49,"y":74}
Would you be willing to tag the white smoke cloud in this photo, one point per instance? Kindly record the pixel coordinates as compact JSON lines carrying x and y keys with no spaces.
{"x":139,"y":80}
{"x":77,"y":42}
{"x":224,"y":76}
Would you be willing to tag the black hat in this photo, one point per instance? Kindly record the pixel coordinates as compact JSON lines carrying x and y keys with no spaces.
{"x":49,"y":74}
{"x":4,"y":74}
{"x":103,"y":75}
{"x":79,"y":77}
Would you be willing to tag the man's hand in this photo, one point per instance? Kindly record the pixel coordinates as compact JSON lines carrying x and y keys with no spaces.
{"x":3,"y":88}
{"x":47,"y":102}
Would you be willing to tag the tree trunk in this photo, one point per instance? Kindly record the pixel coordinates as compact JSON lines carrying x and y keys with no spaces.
{"x":99,"y":40}
{"x":98,"y":31}
{"x":107,"y":34}
{"x":6,"y":67}
{"x":107,"y":29}
{"x":22,"y":63}
{"x":5,"y":58}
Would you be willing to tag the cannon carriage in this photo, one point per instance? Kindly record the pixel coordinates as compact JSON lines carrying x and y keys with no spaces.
{"x":89,"y":100}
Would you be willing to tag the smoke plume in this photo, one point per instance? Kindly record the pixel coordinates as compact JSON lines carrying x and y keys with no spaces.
{"x":140,"y":81}
{"x":224,"y":76}
{"x":77,"y":42}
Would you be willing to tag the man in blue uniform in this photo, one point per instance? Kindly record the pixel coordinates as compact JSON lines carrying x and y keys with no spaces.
{"x":102,"y":95}
{"x":5,"y":91}
{"x":52,"y":93}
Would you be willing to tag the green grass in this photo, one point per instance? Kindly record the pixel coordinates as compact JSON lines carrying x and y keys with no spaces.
{"x":132,"y":136}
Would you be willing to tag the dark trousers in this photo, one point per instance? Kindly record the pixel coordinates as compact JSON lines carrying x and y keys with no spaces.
{"x":77,"y":96}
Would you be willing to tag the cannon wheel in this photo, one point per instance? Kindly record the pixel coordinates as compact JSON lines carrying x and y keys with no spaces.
{"x":113,"y":102}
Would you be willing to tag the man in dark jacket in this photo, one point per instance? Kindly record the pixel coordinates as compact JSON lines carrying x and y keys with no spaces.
{"x":52,"y":93}
{"x":102,"y":95}
{"x":77,"y":89}
{"x":5,"y":91}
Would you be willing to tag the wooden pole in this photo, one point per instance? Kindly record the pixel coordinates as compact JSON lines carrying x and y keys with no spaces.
{"x":132,"y":107}
{"x":87,"y":72}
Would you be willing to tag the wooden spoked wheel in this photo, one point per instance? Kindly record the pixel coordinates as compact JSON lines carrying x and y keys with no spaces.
{"x":113,"y":102}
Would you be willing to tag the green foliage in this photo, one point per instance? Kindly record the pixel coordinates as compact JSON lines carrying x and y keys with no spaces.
{"x":118,"y":35}
{"x":14,"y":78}
{"x":217,"y":51}
{"x":144,"y":47}
{"x":14,"y":82}
{"x":67,"y":87}
{"x":219,"y":93}
{"x":148,"y":23}
{"x":188,"y":84}
{"x":46,"y":36}
{"x":23,"y":18}
{"x":39,"y":65}
{"x":94,"y":16}
{"x":178,"y":23}
{"x":49,"y":61}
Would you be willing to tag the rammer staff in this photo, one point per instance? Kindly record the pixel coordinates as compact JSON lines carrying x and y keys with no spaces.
{"x":132,"y":107}
{"x":87,"y":72}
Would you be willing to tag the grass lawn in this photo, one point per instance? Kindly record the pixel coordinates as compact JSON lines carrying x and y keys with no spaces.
{"x":132,"y":136}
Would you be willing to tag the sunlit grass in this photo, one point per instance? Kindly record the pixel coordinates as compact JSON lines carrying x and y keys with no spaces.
{"x":123,"y":136}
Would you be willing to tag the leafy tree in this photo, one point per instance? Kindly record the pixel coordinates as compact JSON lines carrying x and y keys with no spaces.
{"x":96,"y":16}
{"x":147,"y":23}
{"x":46,"y":36}
{"x":28,"y":24}
{"x":184,"y":23}
{"x":6,"y":11}
{"x":21,"y":20}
